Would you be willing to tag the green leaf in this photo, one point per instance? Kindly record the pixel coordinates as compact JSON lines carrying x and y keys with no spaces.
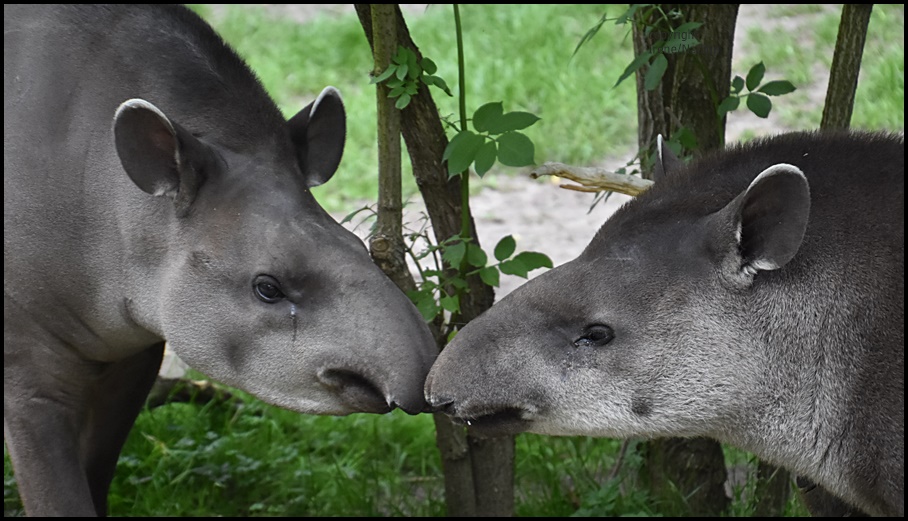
{"x":686,"y":139}
{"x":402,"y":101}
{"x":486,"y":115}
{"x":655,"y":72}
{"x":737,"y":84}
{"x":461,"y":151}
{"x":384,"y":76}
{"x":401,"y":72}
{"x":682,"y":38}
{"x":412,"y":64}
{"x":728,"y":104}
{"x":489,"y":275}
{"x":454,"y":253}
{"x":627,"y":15}
{"x":428,"y":66}
{"x":400,"y":56}
{"x":589,"y":34}
{"x":505,"y":247}
{"x":512,"y":121}
{"x":397,"y":91}
{"x":515,"y":149}
{"x":428,"y":309}
{"x":438,"y":82}
{"x":475,"y":256}
{"x":485,"y":157}
{"x":687,"y":27}
{"x":514,"y":267}
{"x":759,"y":104}
{"x":424,"y":300}
{"x":755,"y":76}
{"x":451,"y":335}
{"x":450,"y":303}
{"x":457,"y":282}
{"x":634,"y":65}
{"x":349,"y":217}
{"x":533,"y":260}
{"x":777,"y":88}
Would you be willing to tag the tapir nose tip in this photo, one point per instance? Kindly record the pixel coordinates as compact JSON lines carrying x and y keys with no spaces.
{"x":436,"y":403}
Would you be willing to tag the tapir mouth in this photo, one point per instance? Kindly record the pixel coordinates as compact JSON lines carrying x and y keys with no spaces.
{"x":356,"y":390}
{"x":499,"y":421}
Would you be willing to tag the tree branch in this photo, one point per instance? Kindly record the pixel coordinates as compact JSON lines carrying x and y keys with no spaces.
{"x":593,"y":179}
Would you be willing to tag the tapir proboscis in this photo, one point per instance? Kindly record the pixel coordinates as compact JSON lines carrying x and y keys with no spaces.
{"x":755,"y":296}
{"x":154,"y":192}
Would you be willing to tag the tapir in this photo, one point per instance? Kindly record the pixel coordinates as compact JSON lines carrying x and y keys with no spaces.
{"x":154,"y":192}
{"x":755,"y":296}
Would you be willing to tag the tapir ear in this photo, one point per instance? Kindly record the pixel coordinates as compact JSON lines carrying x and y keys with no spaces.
{"x":318,"y":131}
{"x":667,"y":163}
{"x":159,"y":156}
{"x":767,"y":220}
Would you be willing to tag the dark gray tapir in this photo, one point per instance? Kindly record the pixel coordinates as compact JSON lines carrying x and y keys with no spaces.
{"x":152,"y":192}
{"x":756,"y":296}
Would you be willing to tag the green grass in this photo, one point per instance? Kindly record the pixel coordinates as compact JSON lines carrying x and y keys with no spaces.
{"x":247,"y":458}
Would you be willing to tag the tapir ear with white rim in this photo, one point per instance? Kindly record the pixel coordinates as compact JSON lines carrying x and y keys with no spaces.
{"x":318,"y":132}
{"x":161,"y":158}
{"x":767,"y":222}
{"x":667,"y":163}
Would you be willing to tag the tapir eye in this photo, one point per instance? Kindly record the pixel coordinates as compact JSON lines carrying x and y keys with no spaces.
{"x":596,"y":335}
{"x":267,"y":289}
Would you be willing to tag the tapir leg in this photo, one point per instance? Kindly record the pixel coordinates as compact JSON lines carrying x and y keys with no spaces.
{"x":117,"y":398}
{"x":62,"y":452}
{"x":43,"y":415}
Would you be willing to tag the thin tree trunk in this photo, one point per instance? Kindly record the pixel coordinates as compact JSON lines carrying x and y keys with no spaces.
{"x":387,"y":243}
{"x":478,"y":473}
{"x":846,"y":65}
{"x":773,"y":490}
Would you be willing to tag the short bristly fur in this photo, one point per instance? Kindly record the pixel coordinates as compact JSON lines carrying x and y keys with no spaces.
{"x":755,"y":296}
{"x":153,"y":192}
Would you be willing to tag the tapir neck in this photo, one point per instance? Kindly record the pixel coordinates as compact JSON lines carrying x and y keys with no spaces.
{"x":800,"y":409}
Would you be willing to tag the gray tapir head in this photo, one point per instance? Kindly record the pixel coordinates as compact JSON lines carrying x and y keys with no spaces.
{"x":632,"y":337}
{"x":251,"y":282}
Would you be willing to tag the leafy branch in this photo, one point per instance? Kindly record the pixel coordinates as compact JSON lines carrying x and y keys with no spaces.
{"x":405,"y":73}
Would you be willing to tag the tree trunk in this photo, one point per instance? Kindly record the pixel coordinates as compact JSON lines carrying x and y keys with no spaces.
{"x":387,"y":243}
{"x":846,"y":64}
{"x":693,"y":85}
{"x":772,"y":491}
{"x":479,"y":473}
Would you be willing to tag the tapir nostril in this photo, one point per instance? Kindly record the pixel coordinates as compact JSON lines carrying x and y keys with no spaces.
{"x":441,"y":404}
{"x":355,"y":389}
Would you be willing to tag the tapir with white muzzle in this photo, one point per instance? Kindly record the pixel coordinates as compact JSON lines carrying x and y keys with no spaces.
{"x":755,"y":296}
{"x":154,"y":192}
